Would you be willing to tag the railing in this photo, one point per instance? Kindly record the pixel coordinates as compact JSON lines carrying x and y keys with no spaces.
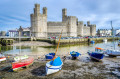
{"x":13,"y":37}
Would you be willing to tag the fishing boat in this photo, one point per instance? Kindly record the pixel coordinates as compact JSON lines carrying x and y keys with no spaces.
{"x":74,"y":54}
{"x":98,"y":54}
{"x":112,"y":52}
{"x":2,"y":58}
{"x":22,"y":63}
{"x":20,"y":57}
{"x":50,"y":56}
{"x":105,"y":40}
{"x":54,"y":65}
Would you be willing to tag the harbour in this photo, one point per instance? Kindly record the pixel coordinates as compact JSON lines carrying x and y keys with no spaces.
{"x":83,"y":67}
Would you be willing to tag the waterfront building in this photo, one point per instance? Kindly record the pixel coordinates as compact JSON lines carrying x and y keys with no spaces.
{"x":24,"y":31}
{"x":12,"y":33}
{"x":40,"y":28}
{"x":104,"y":32}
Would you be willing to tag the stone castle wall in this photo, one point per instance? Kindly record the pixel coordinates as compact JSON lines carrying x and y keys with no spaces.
{"x":70,"y":25}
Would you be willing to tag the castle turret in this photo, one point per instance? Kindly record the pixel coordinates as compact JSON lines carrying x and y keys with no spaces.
{"x":45,"y":11}
{"x":64,"y":15}
{"x":88,"y":23}
{"x":37,"y":9}
{"x":39,"y":22}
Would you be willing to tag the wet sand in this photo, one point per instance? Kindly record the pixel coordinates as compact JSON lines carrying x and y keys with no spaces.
{"x":32,"y":43}
{"x":81,"y":68}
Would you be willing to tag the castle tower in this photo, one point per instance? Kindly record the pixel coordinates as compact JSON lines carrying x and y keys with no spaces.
{"x":72,"y":26}
{"x":64,"y":15}
{"x":45,"y":11}
{"x":80,"y":28}
{"x":88,"y":23}
{"x":39,"y":22}
{"x":93,"y":30}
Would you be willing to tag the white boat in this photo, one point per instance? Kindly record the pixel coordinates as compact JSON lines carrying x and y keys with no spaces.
{"x":112,"y":52}
{"x":119,"y":43}
{"x":20,"y":57}
{"x":54,"y":66}
{"x":105,"y":40}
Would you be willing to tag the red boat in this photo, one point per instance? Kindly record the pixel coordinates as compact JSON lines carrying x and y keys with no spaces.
{"x":2,"y":59}
{"x":22,"y":63}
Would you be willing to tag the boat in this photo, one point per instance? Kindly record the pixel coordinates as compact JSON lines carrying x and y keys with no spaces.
{"x":2,"y":58}
{"x":112,"y":52}
{"x":92,"y":41}
{"x":22,"y":63}
{"x":74,"y":54}
{"x":54,"y":66}
{"x":119,"y":43}
{"x":105,"y":40}
{"x":20,"y":57}
{"x":98,"y":54}
{"x":50,"y":56}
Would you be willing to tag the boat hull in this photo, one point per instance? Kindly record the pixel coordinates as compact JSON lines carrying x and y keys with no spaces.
{"x":113,"y":53}
{"x":50,"y":56}
{"x":22,"y":63}
{"x":96,"y":56}
{"x":2,"y":59}
{"x":52,"y":69}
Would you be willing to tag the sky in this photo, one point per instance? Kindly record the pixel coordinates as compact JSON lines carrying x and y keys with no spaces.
{"x":16,"y":13}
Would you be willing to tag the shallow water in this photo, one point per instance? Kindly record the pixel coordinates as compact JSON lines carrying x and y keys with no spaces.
{"x":81,"y":68}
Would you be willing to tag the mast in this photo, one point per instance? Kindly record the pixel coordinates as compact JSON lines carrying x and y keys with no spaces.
{"x":113,"y":35}
{"x":58,"y":45}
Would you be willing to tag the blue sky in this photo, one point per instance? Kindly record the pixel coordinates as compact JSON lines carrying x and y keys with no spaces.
{"x":15,"y":13}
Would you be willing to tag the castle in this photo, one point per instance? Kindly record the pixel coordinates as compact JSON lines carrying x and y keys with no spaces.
{"x":40,"y":28}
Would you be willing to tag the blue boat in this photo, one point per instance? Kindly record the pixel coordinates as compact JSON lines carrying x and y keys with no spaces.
{"x":92,"y":41}
{"x":74,"y":54}
{"x":50,"y":56}
{"x":98,"y":54}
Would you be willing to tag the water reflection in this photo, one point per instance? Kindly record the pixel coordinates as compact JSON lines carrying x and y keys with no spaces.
{"x":63,"y":50}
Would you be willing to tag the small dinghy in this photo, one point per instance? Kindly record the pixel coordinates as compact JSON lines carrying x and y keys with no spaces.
{"x":97,"y":54}
{"x":20,"y":57}
{"x":50,"y":56}
{"x":92,"y":42}
{"x":22,"y":63}
{"x":2,"y":58}
{"x":54,"y":66}
{"x":74,"y":54}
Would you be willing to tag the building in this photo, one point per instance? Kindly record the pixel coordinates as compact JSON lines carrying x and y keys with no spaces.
{"x":12,"y":33}
{"x":104,"y":32}
{"x":24,"y":31}
{"x":70,"y":25}
{"x":108,"y":32}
